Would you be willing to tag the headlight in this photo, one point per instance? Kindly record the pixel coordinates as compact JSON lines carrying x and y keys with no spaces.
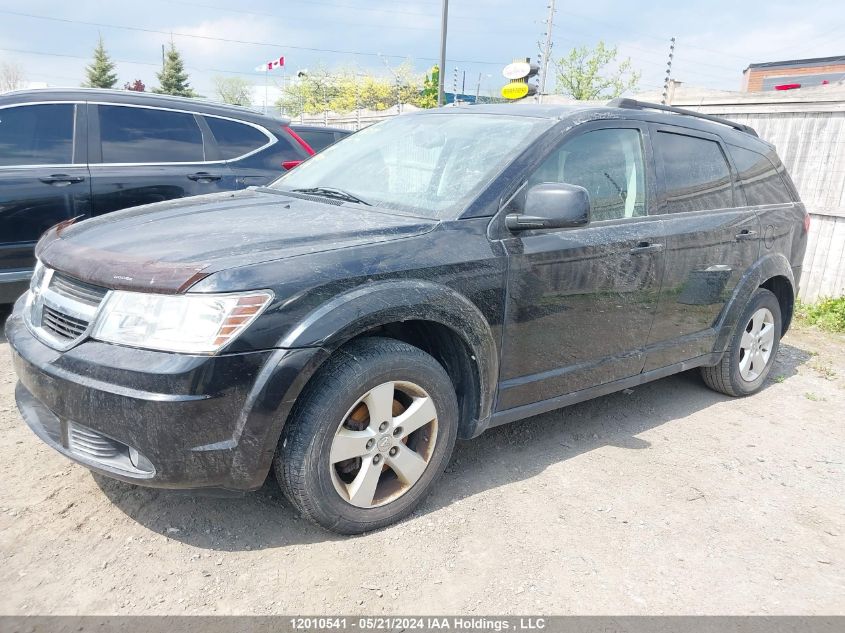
{"x":36,"y":287}
{"x":200,"y":324}
{"x":37,"y":277}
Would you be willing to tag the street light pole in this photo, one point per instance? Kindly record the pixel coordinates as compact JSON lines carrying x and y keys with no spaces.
{"x":443,"y":22}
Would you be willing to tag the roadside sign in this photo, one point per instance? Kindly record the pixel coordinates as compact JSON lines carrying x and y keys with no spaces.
{"x":520,"y":70}
{"x":515,"y":90}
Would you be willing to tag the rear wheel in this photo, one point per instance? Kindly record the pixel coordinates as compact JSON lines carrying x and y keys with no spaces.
{"x":752,"y":350}
{"x":367,"y":440}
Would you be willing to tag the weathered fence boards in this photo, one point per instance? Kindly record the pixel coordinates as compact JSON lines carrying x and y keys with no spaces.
{"x":824,"y":263}
{"x":810,"y":139}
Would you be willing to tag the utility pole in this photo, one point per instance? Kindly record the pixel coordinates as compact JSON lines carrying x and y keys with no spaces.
{"x":668,"y":72}
{"x":547,"y":49}
{"x":443,"y":23}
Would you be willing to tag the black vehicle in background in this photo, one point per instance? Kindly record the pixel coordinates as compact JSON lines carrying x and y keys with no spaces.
{"x":319,"y":137}
{"x":430,"y":277}
{"x":79,"y":153}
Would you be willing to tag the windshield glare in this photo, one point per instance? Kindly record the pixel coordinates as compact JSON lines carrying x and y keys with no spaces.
{"x":431,"y":165}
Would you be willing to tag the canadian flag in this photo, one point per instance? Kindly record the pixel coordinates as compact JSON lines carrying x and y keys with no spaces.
{"x":273,"y":63}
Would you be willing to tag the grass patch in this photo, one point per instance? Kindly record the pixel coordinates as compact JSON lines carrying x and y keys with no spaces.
{"x":826,"y":314}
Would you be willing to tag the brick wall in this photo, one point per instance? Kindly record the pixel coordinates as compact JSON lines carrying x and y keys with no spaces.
{"x":753,"y":78}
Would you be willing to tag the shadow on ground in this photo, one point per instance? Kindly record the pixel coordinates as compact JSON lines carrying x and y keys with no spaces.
{"x":5,"y":311}
{"x":500,"y":456}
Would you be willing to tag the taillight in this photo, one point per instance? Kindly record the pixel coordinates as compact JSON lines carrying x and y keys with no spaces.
{"x":290,"y":164}
{"x":806,"y":222}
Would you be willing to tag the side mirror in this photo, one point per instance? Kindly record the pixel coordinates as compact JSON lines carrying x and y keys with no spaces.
{"x":552,"y":205}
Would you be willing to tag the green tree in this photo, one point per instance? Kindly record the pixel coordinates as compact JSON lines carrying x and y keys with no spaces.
{"x":346,"y":90}
{"x":173,"y":80}
{"x":234,"y":90}
{"x":428,"y":96}
{"x":100,"y":73}
{"x":594,"y":73}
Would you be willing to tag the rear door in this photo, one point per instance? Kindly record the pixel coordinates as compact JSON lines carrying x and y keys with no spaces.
{"x":43,"y":178}
{"x":141,"y":155}
{"x":712,"y":238}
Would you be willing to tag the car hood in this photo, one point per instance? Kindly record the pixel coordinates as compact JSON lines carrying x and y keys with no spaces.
{"x":169,"y":246}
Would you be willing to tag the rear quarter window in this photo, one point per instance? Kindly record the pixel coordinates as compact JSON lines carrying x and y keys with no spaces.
{"x":318,"y":140}
{"x":36,"y":134}
{"x":759,"y":179}
{"x":235,"y":139}
{"x":696,"y":173}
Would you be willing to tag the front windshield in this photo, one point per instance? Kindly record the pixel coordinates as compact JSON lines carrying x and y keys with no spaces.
{"x":429,"y":165}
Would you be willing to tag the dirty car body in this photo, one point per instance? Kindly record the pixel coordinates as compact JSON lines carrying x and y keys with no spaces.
{"x":523,"y":318}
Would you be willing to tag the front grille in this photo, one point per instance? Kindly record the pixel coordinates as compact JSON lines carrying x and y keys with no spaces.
{"x":66,"y":308}
{"x":62,"y":325}
{"x":71,"y":288}
{"x":87,"y":442}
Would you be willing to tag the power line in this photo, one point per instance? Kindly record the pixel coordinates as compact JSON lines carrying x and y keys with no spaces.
{"x":128,"y":61}
{"x":229,"y":40}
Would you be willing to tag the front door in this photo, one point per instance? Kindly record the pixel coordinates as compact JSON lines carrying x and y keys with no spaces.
{"x":580,"y":302}
{"x":43,"y":179}
{"x":142,"y":155}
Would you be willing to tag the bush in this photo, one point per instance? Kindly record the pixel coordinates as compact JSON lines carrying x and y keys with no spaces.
{"x":827,"y":314}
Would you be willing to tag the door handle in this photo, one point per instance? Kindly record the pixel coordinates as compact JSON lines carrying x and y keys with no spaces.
{"x":646,"y":247}
{"x":745,"y":234}
{"x":61,"y":180}
{"x":204,"y":176}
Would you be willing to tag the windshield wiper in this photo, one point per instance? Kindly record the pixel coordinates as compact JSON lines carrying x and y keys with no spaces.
{"x":333,"y":192}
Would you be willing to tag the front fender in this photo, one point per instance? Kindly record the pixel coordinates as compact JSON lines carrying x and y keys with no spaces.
{"x":375,"y":304}
{"x":771,"y":265}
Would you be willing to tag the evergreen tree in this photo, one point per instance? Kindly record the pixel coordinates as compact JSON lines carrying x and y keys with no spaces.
{"x":173,"y":80}
{"x":100,"y":74}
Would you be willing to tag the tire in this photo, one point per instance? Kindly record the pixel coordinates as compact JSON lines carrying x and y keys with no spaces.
{"x":341,"y":436}
{"x":740,"y":372}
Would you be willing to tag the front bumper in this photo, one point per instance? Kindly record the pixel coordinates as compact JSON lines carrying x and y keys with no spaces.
{"x":157,"y":418}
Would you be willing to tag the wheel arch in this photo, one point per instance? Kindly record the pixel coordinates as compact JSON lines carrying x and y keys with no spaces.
{"x":771,"y":272}
{"x":433,"y":317}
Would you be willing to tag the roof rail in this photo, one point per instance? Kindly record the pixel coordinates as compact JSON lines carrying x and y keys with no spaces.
{"x":633,"y":104}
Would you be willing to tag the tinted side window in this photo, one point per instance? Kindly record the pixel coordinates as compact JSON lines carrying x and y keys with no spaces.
{"x":608,"y":164}
{"x":144,"y":135}
{"x":37,"y":134}
{"x":696,"y":171}
{"x":759,"y":179}
{"x":317,"y":139}
{"x":235,"y":139}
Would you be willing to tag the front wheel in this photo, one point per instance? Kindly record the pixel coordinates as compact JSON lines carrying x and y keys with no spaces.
{"x":752,"y":350}
{"x":369,"y":437}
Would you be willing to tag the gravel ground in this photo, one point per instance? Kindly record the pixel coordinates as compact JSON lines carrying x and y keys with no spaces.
{"x":667,"y":499}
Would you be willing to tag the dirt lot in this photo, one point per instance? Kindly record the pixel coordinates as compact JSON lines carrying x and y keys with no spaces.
{"x":667,"y":499}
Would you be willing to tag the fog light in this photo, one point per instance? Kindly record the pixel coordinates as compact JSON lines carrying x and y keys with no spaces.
{"x":139,"y":461}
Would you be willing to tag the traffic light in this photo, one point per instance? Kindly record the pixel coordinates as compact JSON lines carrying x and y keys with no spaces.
{"x":519,"y":72}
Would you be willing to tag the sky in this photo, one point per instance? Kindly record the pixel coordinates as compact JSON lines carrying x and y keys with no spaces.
{"x":715,"y":40}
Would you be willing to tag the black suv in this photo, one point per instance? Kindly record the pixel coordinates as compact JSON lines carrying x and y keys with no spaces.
{"x":430,"y":277}
{"x":79,"y":153}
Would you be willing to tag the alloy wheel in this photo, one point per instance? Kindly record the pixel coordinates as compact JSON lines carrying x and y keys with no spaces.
{"x":755,"y":346}
{"x":384,"y":444}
